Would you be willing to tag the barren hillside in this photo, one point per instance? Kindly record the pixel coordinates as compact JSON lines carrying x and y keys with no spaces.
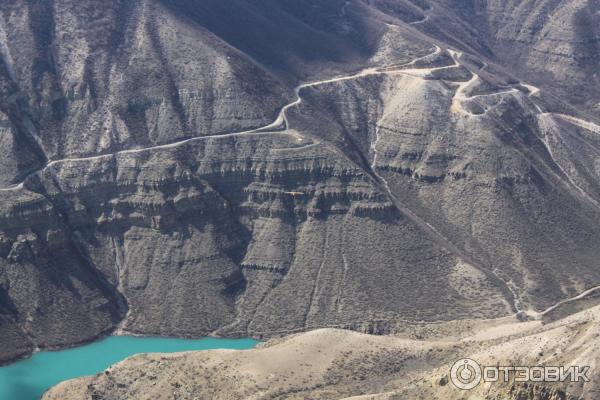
{"x":336,"y":364}
{"x":261,"y":168}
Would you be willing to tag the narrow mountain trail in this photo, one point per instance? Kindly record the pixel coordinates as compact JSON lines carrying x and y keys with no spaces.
{"x":278,"y":126}
{"x":567,"y":301}
{"x":590,"y":126}
{"x":581,"y":296}
{"x":15,"y":187}
{"x":425,"y":18}
{"x":421,"y":21}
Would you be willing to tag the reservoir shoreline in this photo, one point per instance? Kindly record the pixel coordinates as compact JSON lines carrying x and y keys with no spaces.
{"x":28,"y":378}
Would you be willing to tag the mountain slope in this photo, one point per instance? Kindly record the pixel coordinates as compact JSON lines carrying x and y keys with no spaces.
{"x":165,"y":175}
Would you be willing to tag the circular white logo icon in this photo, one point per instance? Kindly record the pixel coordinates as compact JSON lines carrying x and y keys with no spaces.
{"x":465,"y":374}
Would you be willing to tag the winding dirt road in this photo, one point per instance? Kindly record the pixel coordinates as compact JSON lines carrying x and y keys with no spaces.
{"x":278,"y":126}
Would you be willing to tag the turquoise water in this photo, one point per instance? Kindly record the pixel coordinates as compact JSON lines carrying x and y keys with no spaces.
{"x":29,"y":379}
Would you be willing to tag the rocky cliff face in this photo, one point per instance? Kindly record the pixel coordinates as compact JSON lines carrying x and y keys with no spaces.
{"x":162,"y":175}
